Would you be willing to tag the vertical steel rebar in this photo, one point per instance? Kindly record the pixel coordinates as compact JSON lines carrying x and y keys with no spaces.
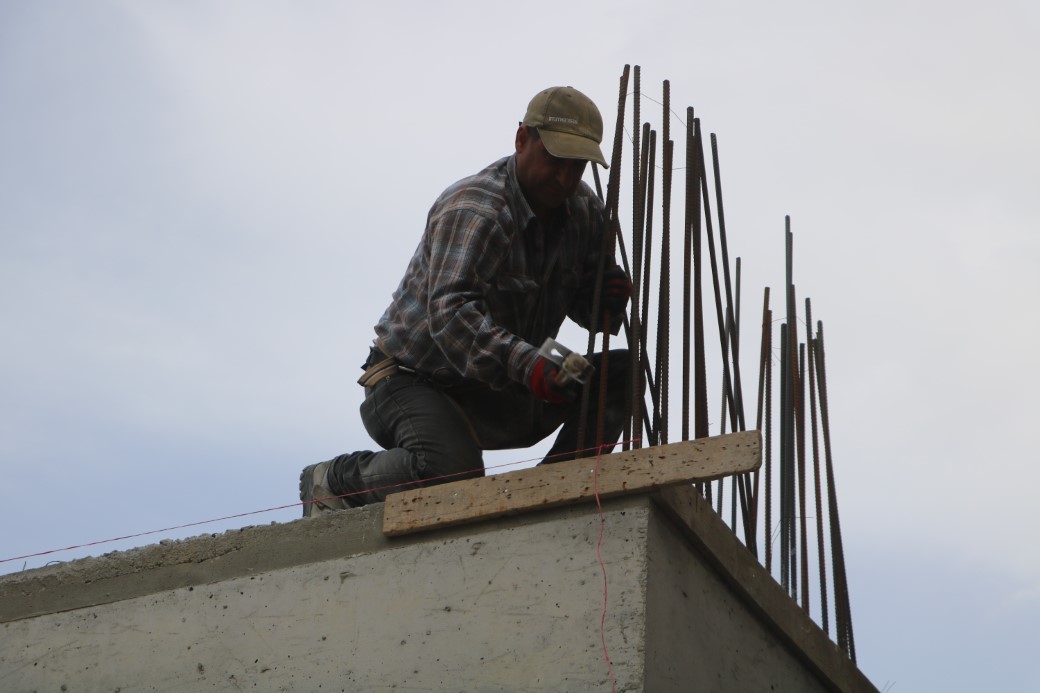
{"x":803,"y":536}
{"x":714,"y":268}
{"x":820,"y":547}
{"x":606,"y":249}
{"x":652,"y":381}
{"x":633,"y":420}
{"x":768,"y":442}
{"x":785,"y":382}
{"x":843,"y":612}
{"x":638,"y":340}
{"x":687,"y":277}
{"x":734,"y":335}
{"x":785,"y":480}
{"x":664,"y":302}
{"x":764,"y":357}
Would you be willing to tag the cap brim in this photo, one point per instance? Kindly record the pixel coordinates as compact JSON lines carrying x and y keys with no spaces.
{"x":564,"y":145}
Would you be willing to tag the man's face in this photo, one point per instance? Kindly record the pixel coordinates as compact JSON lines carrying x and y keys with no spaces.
{"x":546,"y":180}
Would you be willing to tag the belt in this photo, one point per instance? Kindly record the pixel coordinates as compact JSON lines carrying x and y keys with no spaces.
{"x":383,"y":369}
{"x":379,"y":367}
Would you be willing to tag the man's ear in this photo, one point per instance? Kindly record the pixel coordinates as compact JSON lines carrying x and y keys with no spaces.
{"x":522,"y":138}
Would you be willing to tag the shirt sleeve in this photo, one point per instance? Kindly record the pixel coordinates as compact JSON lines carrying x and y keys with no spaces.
{"x":466,"y":250}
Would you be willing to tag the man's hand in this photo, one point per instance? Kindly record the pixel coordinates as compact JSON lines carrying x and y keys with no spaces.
{"x":545,"y":386}
{"x":617,"y":289}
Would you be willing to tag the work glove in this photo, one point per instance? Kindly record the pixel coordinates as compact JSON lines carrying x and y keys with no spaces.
{"x":546,"y":386}
{"x":617,"y":289}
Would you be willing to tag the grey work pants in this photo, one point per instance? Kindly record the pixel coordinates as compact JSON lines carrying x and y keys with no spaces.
{"x":433,"y":434}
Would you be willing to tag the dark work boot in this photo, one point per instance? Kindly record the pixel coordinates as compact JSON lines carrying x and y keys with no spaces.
{"x":315,"y":492}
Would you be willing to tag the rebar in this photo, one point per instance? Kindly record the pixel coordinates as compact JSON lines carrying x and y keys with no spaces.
{"x":606,"y":249}
{"x":784,"y":488}
{"x":687,"y":277}
{"x":632,"y":421}
{"x":843,"y":612}
{"x":734,"y":336}
{"x":821,"y":551}
{"x":637,"y":336}
{"x":664,"y":301}
{"x":803,"y":536}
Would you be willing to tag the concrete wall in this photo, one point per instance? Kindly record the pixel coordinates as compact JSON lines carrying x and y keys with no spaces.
{"x":331,"y":604}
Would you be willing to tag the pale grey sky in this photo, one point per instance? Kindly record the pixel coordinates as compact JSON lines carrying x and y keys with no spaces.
{"x":204,"y":208}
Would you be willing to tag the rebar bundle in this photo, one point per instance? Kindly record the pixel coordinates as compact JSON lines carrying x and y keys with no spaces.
{"x":782,"y":494}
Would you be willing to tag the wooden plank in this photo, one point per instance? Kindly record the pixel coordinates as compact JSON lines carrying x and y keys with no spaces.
{"x":574,"y":481}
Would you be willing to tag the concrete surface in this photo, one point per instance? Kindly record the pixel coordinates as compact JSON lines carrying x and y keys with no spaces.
{"x":509,"y":604}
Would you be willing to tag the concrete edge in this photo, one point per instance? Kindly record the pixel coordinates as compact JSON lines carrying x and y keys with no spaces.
{"x":208,"y":559}
{"x":712,"y":538}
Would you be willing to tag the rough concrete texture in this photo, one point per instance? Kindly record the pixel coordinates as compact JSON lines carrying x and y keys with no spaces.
{"x":331,"y":604}
{"x":504,"y":607}
{"x":700,"y":637}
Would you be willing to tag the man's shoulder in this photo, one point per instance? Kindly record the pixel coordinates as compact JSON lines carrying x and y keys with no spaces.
{"x":486,"y":192}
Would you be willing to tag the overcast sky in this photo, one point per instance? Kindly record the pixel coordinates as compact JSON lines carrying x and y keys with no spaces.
{"x":204,"y":208}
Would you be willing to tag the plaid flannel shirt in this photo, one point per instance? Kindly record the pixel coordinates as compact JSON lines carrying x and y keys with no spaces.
{"x":489,"y":282}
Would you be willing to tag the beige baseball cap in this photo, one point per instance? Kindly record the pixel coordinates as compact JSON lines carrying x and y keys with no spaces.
{"x":568,"y":123}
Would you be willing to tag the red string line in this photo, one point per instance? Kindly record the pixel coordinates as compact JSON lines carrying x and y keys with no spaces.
{"x":602,"y":567}
{"x":267,"y":510}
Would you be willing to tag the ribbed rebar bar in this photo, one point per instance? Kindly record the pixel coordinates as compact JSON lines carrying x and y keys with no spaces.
{"x":820,"y":544}
{"x":632,"y":421}
{"x":764,"y":357}
{"x":637,"y":340}
{"x":785,"y":506}
{"x":803,"y":536}
{"x":731,"y":313}
{"x":768,"y":441}
{"x":843,"y":612}
{"x":606,"y":249}
{"x":714,"y":269}
{"x":664,"y":301}
{"x":648,"y":256}
{"x":687,"y":277}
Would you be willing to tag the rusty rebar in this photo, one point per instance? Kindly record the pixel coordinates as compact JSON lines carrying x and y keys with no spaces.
{"x":803,"y":537}
{"x":820,"y":549}
{"x":606,"y":249}
{"x":664,"y":300}
{"x":731,"y":313}
{"x":648,"y":257}
{"x":714,"y":267}
{"x":687,"y":277}
{"x":843,"y":612}
{"x":632,"y":421}
{"x":637,"y":337}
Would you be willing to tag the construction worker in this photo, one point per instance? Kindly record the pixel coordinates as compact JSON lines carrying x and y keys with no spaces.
{"x":455,"y":368}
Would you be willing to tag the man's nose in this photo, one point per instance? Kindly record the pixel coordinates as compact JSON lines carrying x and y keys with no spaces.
{"x":569,"y":174}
